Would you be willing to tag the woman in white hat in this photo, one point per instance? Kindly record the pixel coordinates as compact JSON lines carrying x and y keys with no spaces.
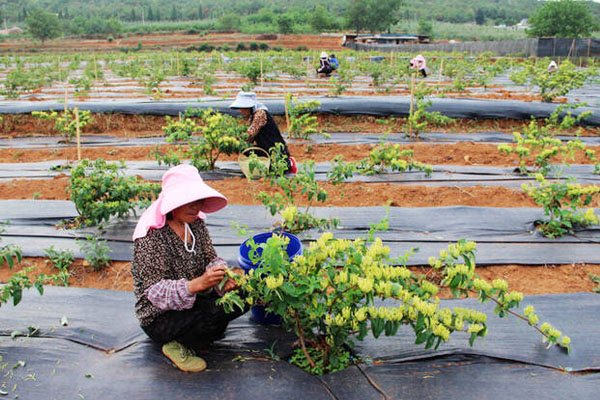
{"x":324,"y":65}
{"x":175,"y":269}
{"x":262,"y":129}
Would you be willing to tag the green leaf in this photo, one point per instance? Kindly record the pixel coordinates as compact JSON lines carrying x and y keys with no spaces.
{"x":430,"y":341}
{"x":472,"y":339}
{"x":422,"y":337}
{"x":420,"y":322}
{"x":17,"y":293}
{"x":377,"y":326}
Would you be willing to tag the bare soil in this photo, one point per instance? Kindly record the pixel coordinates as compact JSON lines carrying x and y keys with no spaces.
{"x":529,"y":280}
{"x":172,"y":41}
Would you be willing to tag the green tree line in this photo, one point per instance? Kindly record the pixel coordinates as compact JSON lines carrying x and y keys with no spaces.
{"x":484,"y":11}
{"x":109,"y":17}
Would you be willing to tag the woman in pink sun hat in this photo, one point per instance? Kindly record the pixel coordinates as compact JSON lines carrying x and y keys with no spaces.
{"x":176,"y":269}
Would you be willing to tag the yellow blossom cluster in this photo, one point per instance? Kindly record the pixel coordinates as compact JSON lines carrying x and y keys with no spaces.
{"x":471,"y":315}
{"x":590,"y":217}
{"x":289,"y":213}
{"x":500,"y":284}
{"x":274,"y":282}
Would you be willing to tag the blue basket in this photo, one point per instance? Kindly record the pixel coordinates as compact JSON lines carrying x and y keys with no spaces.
{"x":293,"y":249}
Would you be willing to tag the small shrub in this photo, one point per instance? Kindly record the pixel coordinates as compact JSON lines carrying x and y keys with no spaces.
{"x":207,"y":138}
{"x":100,"y":190}
{"x":65,"y":123}
{"x":61,"y":260}
{"x":419,"y":118}
{"x":95,"y":252}
{"x":13,"y":288}
{"x":302,"y":122}
{"x":537,"y":141}
{"x":561,"y":202}
{"x":327,"y":297}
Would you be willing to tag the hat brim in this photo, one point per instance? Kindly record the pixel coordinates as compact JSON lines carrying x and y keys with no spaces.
{"x":213,"y":200}
{"x":242,"y":103}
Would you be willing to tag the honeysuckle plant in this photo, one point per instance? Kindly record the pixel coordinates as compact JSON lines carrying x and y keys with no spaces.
{"x":552,"y":84}
{"x":100,"y":190}
{"x":19,"y":281}
{"x":562,"y":202}
{"x":202,"y":136}
{"x":65,"y":122}
{"x":301,"y":123}
{"x":537,"y":142}
{"x":329,"y":297}
{"x":419,"y":118}
{"x":289,"y":188}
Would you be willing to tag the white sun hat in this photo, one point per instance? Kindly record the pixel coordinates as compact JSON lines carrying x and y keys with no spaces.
{"x":323,"y":55}
{"x":244,"y":100}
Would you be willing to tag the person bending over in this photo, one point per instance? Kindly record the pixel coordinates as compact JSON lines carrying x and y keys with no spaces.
{"x":262,"y":129}
{"x":324,"y":65}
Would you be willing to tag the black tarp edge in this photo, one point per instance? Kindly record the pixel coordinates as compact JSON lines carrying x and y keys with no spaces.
{"x":370,"y":105}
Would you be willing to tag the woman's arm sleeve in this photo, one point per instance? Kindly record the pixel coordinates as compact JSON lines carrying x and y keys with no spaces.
{"x":258,"y":121}
{"x":171,"y":295}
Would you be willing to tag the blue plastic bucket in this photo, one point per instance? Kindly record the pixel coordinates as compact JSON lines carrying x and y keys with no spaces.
{"x":293,"y":249}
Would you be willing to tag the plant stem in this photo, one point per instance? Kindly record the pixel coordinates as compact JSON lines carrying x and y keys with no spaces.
{"x":507,"y":310}
{"x":302,"y":344}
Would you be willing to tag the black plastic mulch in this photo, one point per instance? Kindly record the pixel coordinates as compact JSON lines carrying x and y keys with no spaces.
{"x":102,"y":353}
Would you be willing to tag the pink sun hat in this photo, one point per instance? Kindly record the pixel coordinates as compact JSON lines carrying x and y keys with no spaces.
{"x":180,"y":185}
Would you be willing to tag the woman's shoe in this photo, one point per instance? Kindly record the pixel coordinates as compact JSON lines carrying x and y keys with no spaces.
{"x":183,"y":358}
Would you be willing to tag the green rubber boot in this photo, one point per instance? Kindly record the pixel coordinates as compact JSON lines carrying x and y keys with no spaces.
{"x":183,"y":358}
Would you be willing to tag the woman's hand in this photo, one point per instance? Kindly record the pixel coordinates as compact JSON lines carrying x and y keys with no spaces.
{"x":207,"y":280}
{"x":230,"y":285}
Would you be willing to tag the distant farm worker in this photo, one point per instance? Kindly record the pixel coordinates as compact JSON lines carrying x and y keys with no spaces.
{"x":333,"y":61}
{"x":262,"y":129}
{"x":552,"y":67}
{"x":176,"y":271}
{"x":419,"y":64}
{"x":325,"y":67}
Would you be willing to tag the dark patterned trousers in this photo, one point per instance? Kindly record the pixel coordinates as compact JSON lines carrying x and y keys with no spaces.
{"x":196,"y":327}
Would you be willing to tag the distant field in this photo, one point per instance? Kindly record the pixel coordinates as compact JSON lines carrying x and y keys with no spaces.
{"x":170,"y":41}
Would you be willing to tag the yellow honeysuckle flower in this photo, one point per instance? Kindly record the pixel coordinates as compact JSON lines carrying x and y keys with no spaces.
{"x":273,"y":283}
{"x":475,"y":328}
{"x":289,"y":213}
{"x":499,"y":284}
{"x":360,"y":314}
{"x":365,"y":284}
{"x":346,"y":312}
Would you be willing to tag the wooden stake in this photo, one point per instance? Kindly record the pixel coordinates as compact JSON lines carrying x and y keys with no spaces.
{"x":287,"y":115}
{"x":66,"y":96}
{"x":58,"y":68}
{"x":77,"y":132}
{"x":95,"y":69}
{"x":441,"y":70}
{"x":261,"y":72}
{"x":412,"y":94}
{"x":391,"y":59}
